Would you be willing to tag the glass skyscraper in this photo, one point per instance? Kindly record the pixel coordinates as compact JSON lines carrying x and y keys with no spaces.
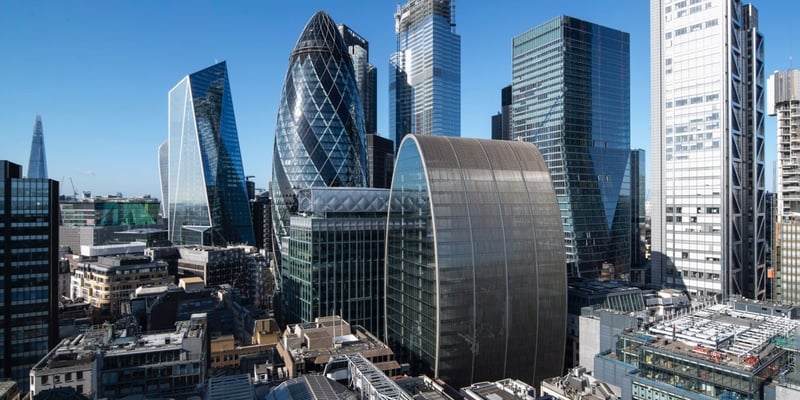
{"x":425,"y":72}
{"x":476,"y":288}
{"x":335,"y":261}
{"x":37,"y":163}
{"x":783,"y":101}
{"x":571,"y":98}
{"x":28,"y":271}
{"x":319,"y":136}
{"x":707,"y":99}
{"x":207,"y":196}
{"x":366,"y":76}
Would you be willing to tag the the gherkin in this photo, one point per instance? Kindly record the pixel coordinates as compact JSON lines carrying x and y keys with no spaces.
{"x":319,"y":135}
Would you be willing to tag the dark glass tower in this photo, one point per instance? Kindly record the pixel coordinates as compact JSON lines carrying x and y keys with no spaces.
{"x":207,"y":196}
{"x":475,"y":282}
{"x":319,"y":135}
{"x":28,"y":271}
{"x":501,"y":123}
{"x":37,"y":163}
{"x":366,"y":76}
{"x":571,"y":98}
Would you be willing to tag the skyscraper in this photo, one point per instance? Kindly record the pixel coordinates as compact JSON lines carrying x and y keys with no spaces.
{"x":707,"y":88}
{"x":638,"y":198}
{"x":571,"y":98}
{"x":425,"y":72}
{"x":476,"y":288}
{"x":28,"y":271}
{"x":163,"y":175}
{"x":366,"y":76}
{"x":37,"y":163}
{"x":207,"y":197}
{"x":319,"y":135}
{"x":783,"y":101}
{"x":501,"y":122}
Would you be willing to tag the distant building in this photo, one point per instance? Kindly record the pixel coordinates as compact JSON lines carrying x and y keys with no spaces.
{"x":208,"y":203}
{"x":501,"y":123}
{"x":638,"y":217}
{"x":366,"y":76}
{"x":97,"y":220}
{"x":509,"y":389}
{"x":425,"y":75}
{"x":37,"y":163}
{"x":335,"y":258}
{"x":476,"y":285}
{"x":260,"y":208}
{"x":307,"y":347}
{"x":571,"y":98}
{"x":109,"y":281}
{"x":9,"y":390}
{"x":783,"y":101}
{"x":29,"y":265}
{"x":380,"y":161}
{"x":215,"y":265}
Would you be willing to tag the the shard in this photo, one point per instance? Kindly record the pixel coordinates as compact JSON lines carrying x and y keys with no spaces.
{"x":37,"y":164}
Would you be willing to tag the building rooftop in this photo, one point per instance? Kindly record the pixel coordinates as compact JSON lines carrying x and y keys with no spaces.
{"x":738,"y":339}
{"x":506,"y":389}
{"x":235,"y":387}
{"x":578,"y":385}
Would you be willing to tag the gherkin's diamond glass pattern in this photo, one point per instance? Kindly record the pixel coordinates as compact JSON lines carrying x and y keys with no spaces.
{"x":319,"y":135}
{"x":206,"y":190}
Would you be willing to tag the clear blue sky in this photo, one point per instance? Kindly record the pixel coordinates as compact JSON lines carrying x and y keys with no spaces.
{"x":99,"y":71}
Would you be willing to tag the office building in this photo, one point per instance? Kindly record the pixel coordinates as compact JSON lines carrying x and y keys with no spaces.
{"x":571,"y":98}
{"x":380,"y":161}
{"x":501,"y":123}
{"x":308,"y":347}
{"x":335,"y":260}
{"x":425,"y":71}
{"x":638,"y":199}
{"x":29,"y":265}
{"x":214,"y":265}
{"x":163,"y":175}
{"x":37,"y":163}
{"x":88,"y":221}
{"x":783,"y":101}
{"x":207,"y":197}
{"x":115,"y":361}
{"x":108,"y":282}
{"x":366,"y":76}
{"x":724,"y":351}
{"x":320,"y":135}
{"x":476,"y":286}
{"x":260,"y":208}
{"x":707,"y":109}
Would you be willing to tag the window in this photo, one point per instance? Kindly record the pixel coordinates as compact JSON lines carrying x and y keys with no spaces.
{"x":79,"y":375}
{"x":685,"y":254}
{"x":45,"y":378}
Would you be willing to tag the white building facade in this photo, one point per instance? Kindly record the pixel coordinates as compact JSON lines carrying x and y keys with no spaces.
{"x":707,"y":88}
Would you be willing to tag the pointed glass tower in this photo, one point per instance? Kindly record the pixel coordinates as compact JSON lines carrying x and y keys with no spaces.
{"x":207,"y":196}
{"x":319,"y":135}
{"x":37,"y":164}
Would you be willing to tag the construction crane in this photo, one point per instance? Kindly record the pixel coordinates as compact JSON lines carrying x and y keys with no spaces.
{"x":74,"y":191}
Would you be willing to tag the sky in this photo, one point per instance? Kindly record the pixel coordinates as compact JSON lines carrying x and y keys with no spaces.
{"x":98,"y":72}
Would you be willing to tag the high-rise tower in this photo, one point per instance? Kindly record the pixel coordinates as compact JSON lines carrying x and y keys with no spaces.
{"x":707,"y":88}
{"x":475,"y":282}
{"x":319,"y":136}
{"x":366,"y":76}
{"x":37,"y":163}
{"x":571,"y":98}
{"x":28,"y":271}
{"x":425,"y":72}
{"x":207,"y":196}
{"x":783,"y":101}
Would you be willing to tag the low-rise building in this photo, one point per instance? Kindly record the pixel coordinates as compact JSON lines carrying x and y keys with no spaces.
{"x":578,"y":385}
{"x":722,"y":351}
{"x":109,"y":281}
{"x":216,"y":265}
{"x":308,"y":347}
{"x":114,"y":361}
